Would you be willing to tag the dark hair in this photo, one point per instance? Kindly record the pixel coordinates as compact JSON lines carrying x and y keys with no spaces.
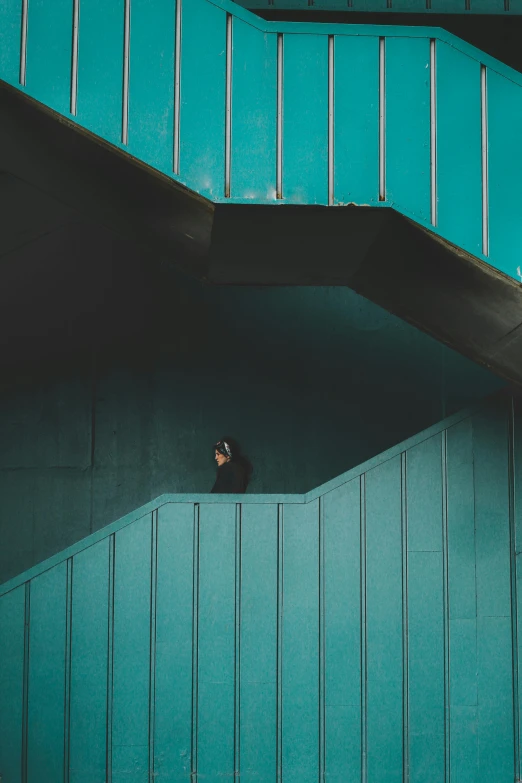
{"x":239,"y":457}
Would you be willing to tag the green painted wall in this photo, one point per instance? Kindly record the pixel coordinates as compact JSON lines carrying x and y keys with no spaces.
{"x":120,"y":374}
{"x":366,"y":631}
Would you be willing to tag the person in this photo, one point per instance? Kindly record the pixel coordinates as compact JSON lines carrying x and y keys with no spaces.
{"x":232,"y":474}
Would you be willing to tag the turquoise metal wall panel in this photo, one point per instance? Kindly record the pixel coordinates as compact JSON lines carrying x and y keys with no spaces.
{"x":462,"y":603}
{"x":504,"y":103}
{"x":100,"y":67}
{"x":516,"y":538}
{"x":12,"y":636}
{"x":258,"y":736}
{"x":202,"y":111}
{"x":10,"y":34}
{"x":89,"y":659}
{"x":173,"y":639}
{"x":368,"y":623}
{"x":129,"y":727}
{"x":490,"y":462}
{"x":46,"y":709}
{"x":407,"y":154}
{"x":341,"y":559}
{"x":426,"y":612}
{"x":384,"y":634}
{"x":426,"y":667}
{"x":300,"y":672}
{"x":223,"y":125}
{"x":356,"y":126}
{"x":49,"y":53}
{"x":151,"y":82}
{"x":216,"y":642}
{"x":254,"y":113}
{"x":305,"y":119}
{"x":459,"y":154}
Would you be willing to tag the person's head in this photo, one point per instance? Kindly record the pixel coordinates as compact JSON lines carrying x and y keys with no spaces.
{"x":222,"y":453}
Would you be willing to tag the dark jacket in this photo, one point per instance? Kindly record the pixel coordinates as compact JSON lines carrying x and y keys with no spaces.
{"x":231,"y":478}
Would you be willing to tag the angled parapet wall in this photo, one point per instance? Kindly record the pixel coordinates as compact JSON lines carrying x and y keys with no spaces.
{"x":429,"y":7}
{"x":369,"y":625}
{"x":241,"y":110}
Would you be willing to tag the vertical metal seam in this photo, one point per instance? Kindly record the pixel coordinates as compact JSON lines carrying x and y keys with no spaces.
{"x":364,"y":636}
{"x":23,"y":43}
{"x":74,"y":61}
{"x":279,"y":653}
{"x":228,"y":105}
{"x":382,"y":119}
{"x":279,"y":130}
{"x":446,"y":606}
{"x":152,"y":669}
{"x":126,"y":73}
{"x":110,"y":655}
{"x":177,"y":86}
{"x":322,"y":650}
{"x":405,"y":646}
{"x":67,"y":670}
{"x":331,"y":118}
{"x":433,"y":130}
{"x":25,"y":685}
{"x":195,"y":642}
{"x":237,"y":646}
{"x":514,"y":591}
{"x":485,"y":162}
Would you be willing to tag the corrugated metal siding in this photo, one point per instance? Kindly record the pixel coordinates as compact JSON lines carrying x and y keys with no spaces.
{"x":248,"y":111}
{"x":363,"y":632}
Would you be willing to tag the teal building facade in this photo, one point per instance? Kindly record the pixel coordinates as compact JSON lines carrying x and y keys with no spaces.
{"x":296,"y":224}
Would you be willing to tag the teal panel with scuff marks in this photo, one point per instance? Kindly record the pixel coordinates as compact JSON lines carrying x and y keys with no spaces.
{"x":424,"y":488}
{"x":49,"y":53}
{"x":305,"y":119}
{"x":463,"y":685}
{"x":151,"y":82}
{"x":254,"y":110}
{"x":174,"y":608}
{"x":300,"y":676}
{"x":89,"y":645}
{"x":342,"y":644}
{"x":490,"y":463}
{"x":516,"y":544}
{"x":407,"y":79}
{"x":100,"y":67}
{"x":384,"y":611}
{"x":10,"y":37}
{"x":202,"y":118}
{"x":216,"y":642}
{"x":464,"y":765}
{"x":495,"y":699}
{"x":494,"y":642}
{"x":461,"y":521}
{"x":258,"y":642}
{"x":459,"y":152}
{"x":426,"y":665}
{"x":46,"y":710}
{"x":12,"y":621}
{"x":504,"y":167}
{"x":426,"y":611}
{"x":131,"y":653}
{"x":356,"y":119}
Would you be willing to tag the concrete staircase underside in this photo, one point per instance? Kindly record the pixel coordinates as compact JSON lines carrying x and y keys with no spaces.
{"x":49,"y":170}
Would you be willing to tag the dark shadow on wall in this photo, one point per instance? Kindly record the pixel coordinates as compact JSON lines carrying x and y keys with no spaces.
{"x":118,"y":374}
